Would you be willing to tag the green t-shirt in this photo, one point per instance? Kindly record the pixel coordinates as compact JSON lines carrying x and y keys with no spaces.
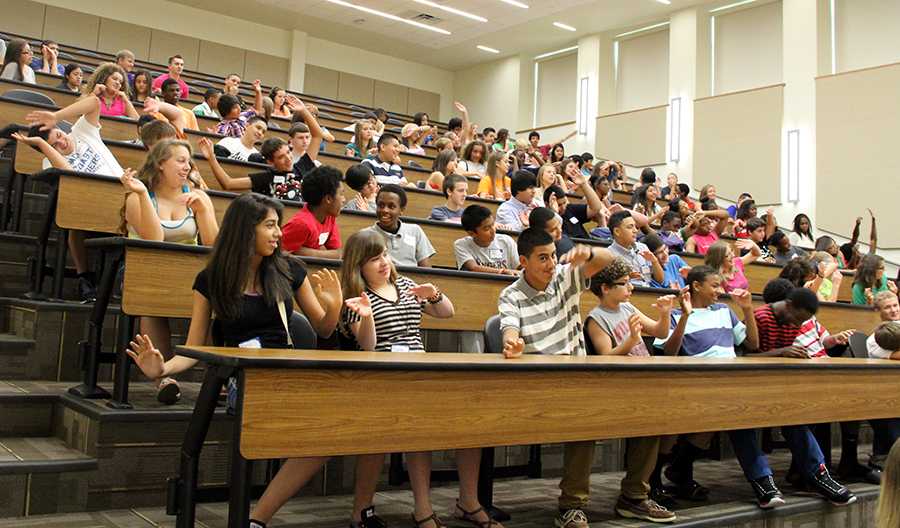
{"x":859,"y":293}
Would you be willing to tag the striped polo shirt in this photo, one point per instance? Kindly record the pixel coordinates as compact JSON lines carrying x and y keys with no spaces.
{"x":549,"y":321}
{"x":773,"y":334}
{"x":711,"y":332}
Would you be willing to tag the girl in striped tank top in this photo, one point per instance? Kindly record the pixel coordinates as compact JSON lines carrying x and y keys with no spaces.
{"x":384,"y":313}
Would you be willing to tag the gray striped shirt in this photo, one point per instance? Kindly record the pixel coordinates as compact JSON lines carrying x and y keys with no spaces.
{"x":548,"y":321}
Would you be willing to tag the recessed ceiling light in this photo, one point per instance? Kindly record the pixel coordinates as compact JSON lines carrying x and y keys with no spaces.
{"x":451,"y":10}
{"x":390,"y":16}
{"x":487,"y":49}
{"x":560,"y":25}
{"x":514,"y":3}
{"x":729,"y":6}
{"x":667,"y":2}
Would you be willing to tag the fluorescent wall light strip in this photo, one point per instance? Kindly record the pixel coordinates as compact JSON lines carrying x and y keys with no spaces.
{"x":554,"y":53}
{"x":729,"y":6}
{"x":583,"y":107}
{"x":793,"y":165}
{"x":390,"y":16}
{"x":487,"y":49}
{"x":567,"y":27}
{"x":833,"y":37}
{"x":537,"y":73}
{"x":451,"y":10}
{"x":667,"y":2}
{"x":675,"y":130}
{"x":514,"y":3}
{"x":712,"y":55}
{"x":648,"y":28}
{"x":616,"y":60}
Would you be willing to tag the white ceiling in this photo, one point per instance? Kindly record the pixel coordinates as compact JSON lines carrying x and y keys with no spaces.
{"x":510,"y":29}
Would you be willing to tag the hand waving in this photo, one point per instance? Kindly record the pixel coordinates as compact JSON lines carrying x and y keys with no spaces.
{"x":361,"y":305}
{"x":147,"y":357}
{"x":327,"y":288}
{"x":46,"y":119}
{"x":131,"y":183}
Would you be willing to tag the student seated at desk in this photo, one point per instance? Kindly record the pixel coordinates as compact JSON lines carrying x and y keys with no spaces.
{"x":313,"y":231}
{"x":512,"y":214}
{"x":17,"y":62}
{"x":484,"y":250}
{"x":160,"y":205}
{"x":210,"y":102}
{"x":108,"y":84}
{"x":363,"y":143}
{"x":495,"y":183}
{"x":234,"y":121}
{"x":675,"y":269}
{"x":443,"y":167}
{"x":720,"y":257}
{"x":242,"y":147}
{"x":407,"y":243}
{"x":73,"y":76}
{"x":385,"y":164}
{"x":644,"y":265}
{"x":396,"y":305}
{"x":249,"y":283}
{"x":546,"y":219}
{"x":170,"y":94}
{"x":359,"y":177}
{"x":455,"y":188}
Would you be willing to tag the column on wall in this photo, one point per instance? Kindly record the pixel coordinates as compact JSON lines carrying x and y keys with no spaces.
{"x":297,"y":61}
{"x":588,"y":79}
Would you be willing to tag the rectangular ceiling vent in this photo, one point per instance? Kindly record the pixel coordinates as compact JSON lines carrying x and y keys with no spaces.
{"x":424,"y":18}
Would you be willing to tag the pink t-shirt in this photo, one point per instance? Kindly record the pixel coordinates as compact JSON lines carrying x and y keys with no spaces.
{"x":157,"y":85}
{"x":738,"y":280}
{"x":704,"y":241}
{"x":116,"y":109}
{"x":304,"y":230}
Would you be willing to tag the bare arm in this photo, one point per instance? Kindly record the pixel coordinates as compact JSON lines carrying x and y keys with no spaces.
{"x":227,"y":182}
{"x":673,"y":344}
{"x":603,"y":344}
{"x":690,"y":245}
{"x":141,"y":216}
{"x":873,"y":235}
{"x":315,"y":130}
{"x":87,"y":106}
{"x":441,"y":310}
{"x":57,"y":160}
{"x":470,"y":265}
{"x":854,"y":238}
{"x":425,"y":262}
{"x":321,"y":306}
{"x":258,"y":98}
{"x":129,"y":108}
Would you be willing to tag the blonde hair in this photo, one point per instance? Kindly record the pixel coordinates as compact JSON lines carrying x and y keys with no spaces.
{"x":540,"y":175}
{"x":357,"y":133}
{"x":882,"y":296}
{"x":491,"y":170}
{"x":101,"y":74}
{"x":888,"y":513}
{"x":159,"y":154}
{"x":716,"y":255}
{"x":361,"y":247}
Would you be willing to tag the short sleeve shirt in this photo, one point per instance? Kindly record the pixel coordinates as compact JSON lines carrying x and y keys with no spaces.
{"x":236,"y":149}
{"x":574,"y":218}
{"x":91,"y":154}
{"x":614,"y":323}
{"x":500,"y":254}
{"x":671,"y":274}
{"x":408,"y":246}
{"x":874,"y":349}
{"x":711,"y":332}
{"x":304,"y":230}
{"x":637,"y":261}
{"x":235,"y":127}
{"x":773,"y":334}
{"x":704,"y":241}
{"x":281,"y":185}
{"x":158,"y":82}
{"x":443,"y":213}
{"x":385,"y":172}
{"x":397,"y":323}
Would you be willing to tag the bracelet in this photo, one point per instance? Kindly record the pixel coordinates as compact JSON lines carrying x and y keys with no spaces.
{"x":436,"y":298}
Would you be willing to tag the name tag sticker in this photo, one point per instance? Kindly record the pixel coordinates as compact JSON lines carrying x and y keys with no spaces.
{"x":399,"y":348}
{"x":323,"y":237}
{"x":409,"y":240}
{"x":573,"y":220}
{"x":278,"y":179}
{"x":250,"y":343}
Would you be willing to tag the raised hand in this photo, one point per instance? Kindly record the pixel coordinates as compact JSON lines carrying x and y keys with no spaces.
{"x":635,"y":327}
{"x":513,"y":348}
{"x":460,"y":107}
{"x":99,"y":89}
{"x":648,"y":255}
{"x":892,"y":286}
{"x":327,"y":288}
{"x":32,"y":141}
{"x":424,"y":291}
{"x":206,"y":147}
{"x":553,"y":204}
{"x":871,"y":214}
{"x":151,"y":105}
{"x":131,"y":183}
{"x":742,"y":298}
{"x":664,"y":304}
{"x":147,"y":357}
{"x":257,"y":86}
{"x":361,"y":305}
{"x":46,"y":119}
{"x":684,"y":301}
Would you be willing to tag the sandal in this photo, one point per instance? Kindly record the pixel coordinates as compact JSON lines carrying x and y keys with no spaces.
{"x":431,"y":518}
{"x":469,"y":516}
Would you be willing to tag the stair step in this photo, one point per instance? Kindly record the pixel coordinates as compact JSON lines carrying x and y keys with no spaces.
{"x":13,"y":345}
{"x":26,"y":408}
{"x":20,"y":455}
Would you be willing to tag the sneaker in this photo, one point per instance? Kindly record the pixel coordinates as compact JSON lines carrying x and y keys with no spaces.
{"x":646,"y":510}
{"x":859,"y":473}
{"x":87,"y":292}
{"x":767,"y":494}
{"x":662,"y":497}
{"x":256,"y":524}
{"x":833,"y":491}
{"x":574,"y":518}
{"x":168,"y":392}
{"x":368,"y":519}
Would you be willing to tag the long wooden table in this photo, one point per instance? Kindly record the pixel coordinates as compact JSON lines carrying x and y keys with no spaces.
{"x":318,"y":395}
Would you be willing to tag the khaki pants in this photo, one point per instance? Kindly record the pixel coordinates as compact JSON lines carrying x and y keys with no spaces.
{"x":640,"y":459}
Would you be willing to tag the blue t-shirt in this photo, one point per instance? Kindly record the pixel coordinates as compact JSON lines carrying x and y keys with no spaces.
{"x":671,"y":275}
{"x":711,"y":332}
{"x":38,"y":62}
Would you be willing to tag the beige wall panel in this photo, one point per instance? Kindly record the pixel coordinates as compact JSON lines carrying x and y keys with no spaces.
{"x":866,"y":33}
{"x":71,"y":27}
{"x":422,"y":101}
{"x":23,"y":17}
{"x":737,"y":143}
{"x":749,"y":48}
{"x":355,"y":89}
{"x":636,"y":138}
{"x":489,"y":91}
{"x":557,"y":89}
{"x":115,"y":36}
{"x":270,"y":69}
{"x":219,"y":59}
{"x":164,"y":44}
{"x":320,"y":82}
{"x":643,"y":76}
{"x":857,"y":126}
{"x":391,"y":97}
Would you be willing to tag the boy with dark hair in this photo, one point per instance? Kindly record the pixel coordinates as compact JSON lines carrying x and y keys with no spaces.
{"x":574,"y":216}
{"x":313,"y":231}
{"x":234,"y":122}
{"x":587,"y":164}
{"x":406,"y":243}
{"x":756,"y":228}
{"x":513,"y":213}
{"x":670,"y":225}
{"x":545,"y":219}
{"x":645,"y":266}
{"x":674,"y":267}
{"x":385,"y":164}
{"x":484,"y":250}
{"x":242,"y":147}
{"x":359,"y":177}
{"x":455,"y":188}
{"x":170,"y":92}
{"x":210,"y":102}
{"x":539,"y":313}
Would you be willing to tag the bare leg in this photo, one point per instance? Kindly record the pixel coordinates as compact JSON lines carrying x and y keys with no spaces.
{"x":292,"y":476}
{"x":368,"y":472}
{"x":468,"y":462}
{"x":78,"y":251}
{"x":419,"y":466}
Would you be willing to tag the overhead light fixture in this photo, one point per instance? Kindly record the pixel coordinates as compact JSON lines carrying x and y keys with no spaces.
{"x":557,"y":52}
{"x":451,"y":10}
{"x":390,"y":16}
{"x":729,"y":6}
{"x":514,"y":3}
{"x":560,"y":25}
{"x":640,"y":30}
{"x":667,"y":2}
{"x":487,"y":49}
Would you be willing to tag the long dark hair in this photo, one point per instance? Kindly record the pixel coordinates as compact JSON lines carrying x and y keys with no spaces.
{"x":147,"y":75}
{"x":797,"y":220}
{"x":867,"y":271}
{"x":553,"y":158}
{"x":13,"y":52}
{"x":229,"y":264}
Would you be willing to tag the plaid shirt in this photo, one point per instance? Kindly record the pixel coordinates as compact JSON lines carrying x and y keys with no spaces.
{"x":235,"y":127}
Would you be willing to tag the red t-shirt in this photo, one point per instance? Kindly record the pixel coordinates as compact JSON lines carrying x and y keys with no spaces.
{"x":303,"y":230}
{"x":773,"y":335}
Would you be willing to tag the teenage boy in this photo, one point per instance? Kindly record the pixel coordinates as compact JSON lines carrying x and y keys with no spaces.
{"x":210,"y":102}
{"x":484,"y":250}
{"x":674,"y":267}
{"x":574,"y":216}
{"x":889,"y":311}
{"x":125,"y":60}
{"x":384,"y":164}
{"x":48,"y":61}
{"x":884,"y":343}
{"x":513,"y":213}
{"x":756,"y":228}
{"x":455,"y":188}
{"x":176,"y":67}
{"x":360,"y":178}
{"x":614,"y":327}
{"x":545,"y":219}
{"x":313,"y":231}
{"x":170,"y":94}
{"x":406,"y":243}
{"x":241,"y":147}
{"x":587,"y":164}
{"x":234,"y":121}
{"x":645,"y":267}
{"x":670,"y":225}
{"x":539,"y":314}
{"x":232,"y":84}
{"x":301,"y":136}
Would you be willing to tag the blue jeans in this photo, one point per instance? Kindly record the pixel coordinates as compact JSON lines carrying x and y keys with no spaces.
{"x":753,"y":461}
